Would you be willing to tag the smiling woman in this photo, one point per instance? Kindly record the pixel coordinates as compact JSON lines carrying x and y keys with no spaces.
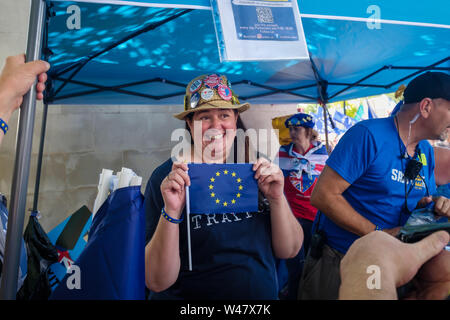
{"x":233,"y":254}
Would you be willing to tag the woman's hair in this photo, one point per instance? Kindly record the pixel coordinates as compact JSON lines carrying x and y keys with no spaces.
{"x":314,"y":135}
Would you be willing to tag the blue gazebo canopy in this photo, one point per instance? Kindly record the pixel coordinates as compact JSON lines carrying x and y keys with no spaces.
{"x":147,"y":52}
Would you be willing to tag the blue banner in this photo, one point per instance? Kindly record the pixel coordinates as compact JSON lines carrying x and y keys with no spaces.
{"x":112,"y":266}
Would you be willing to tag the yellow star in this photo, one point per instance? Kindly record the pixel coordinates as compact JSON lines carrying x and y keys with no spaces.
{"x":238,"y":195}
{"x":211,"y":187}
{"x":212,"y":179}
{"x":217,"y":173}
{"x":225,"y":204}
{"x":217,"y":201}
{"x":233,"y":201}
{"x":225,"y":171}
{"x":239,"y":180}
{"x":213,"y":194}
{"x":241,"y":187}
{"x":234,"y":174}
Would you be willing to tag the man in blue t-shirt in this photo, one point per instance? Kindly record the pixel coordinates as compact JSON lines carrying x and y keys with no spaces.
{"x":380,"y":171}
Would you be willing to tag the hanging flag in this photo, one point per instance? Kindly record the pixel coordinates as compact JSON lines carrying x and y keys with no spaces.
{"x":222,"y":188}
{"x":348,"y":122}
{"x":339,"y":117}
{"x":359,"y":113}
{"x":111,"y":266}
{"x":371,"y":112}
{"x":320,"y":125}
{"x":319,"y":114}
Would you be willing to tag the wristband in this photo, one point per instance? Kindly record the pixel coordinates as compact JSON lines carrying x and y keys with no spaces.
{"x":3,"y":126}
{"x":169,"y":218}
{"x":378,"y":228}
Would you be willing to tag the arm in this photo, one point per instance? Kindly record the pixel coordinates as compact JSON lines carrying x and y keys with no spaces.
{"x":162,"y":254}
{"x":397,"y":263}
{"x":287,"y":234}
{"x":327,"y":197}
{"x":442,"y":159}
{"x":16,"y":79}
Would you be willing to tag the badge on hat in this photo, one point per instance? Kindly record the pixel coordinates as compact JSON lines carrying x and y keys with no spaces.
{"x":195,"y":86}
{"x":207,"y":94}
{"x":224,"y":92}
{"x":194,"y":100}
{"x":212,"y":80}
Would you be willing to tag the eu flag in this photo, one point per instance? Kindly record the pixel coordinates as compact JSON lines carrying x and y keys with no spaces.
{"x":222,"y":188}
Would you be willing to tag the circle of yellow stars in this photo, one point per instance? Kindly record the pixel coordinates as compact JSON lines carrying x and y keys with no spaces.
{"x":215,"y":197}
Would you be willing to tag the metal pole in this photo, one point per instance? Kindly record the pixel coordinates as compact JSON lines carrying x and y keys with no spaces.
{"x":324,"y":106}
{"x":188,"y":211}
{"x":22,"y":162}
{"x":40,"y":155}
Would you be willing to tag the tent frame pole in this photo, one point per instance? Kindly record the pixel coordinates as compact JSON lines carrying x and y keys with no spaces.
{"x":387,"y":86}
{"x":118,"y":89}
{"x":430,"y":67}
{"x":22,"y":161}
{"x":49,"y":88}
{"x":40,"y":156}
{"x":322,"y":90}
{"x":81,"y":64}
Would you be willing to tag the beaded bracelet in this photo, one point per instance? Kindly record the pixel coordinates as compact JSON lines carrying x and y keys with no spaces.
{"x":169,"y":218}
{"x":3,"y":126}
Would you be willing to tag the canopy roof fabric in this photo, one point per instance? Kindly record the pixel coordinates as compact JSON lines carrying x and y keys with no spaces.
{"x":146,"y":52}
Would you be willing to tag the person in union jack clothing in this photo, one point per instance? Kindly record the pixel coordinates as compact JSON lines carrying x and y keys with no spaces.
{"x":301,"y":161}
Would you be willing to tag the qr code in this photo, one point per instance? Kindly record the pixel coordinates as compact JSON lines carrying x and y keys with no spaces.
{"x":264,"y":15}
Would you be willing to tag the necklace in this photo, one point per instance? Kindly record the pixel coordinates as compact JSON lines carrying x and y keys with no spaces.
{"x":405,"y":155}
{"x":410,"y":165}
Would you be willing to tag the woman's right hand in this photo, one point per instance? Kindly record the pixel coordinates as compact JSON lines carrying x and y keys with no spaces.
{"x":173,"y":189}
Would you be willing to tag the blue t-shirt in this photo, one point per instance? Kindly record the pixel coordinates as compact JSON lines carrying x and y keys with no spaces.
{"x":232,"y":256}
{"x":368,"y":157}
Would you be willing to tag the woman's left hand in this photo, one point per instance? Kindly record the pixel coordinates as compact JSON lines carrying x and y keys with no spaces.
{"x":270,"y":179}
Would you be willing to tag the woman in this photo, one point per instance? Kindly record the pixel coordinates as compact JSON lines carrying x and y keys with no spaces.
{"x":302,"y":162}
{"x":232,"y":254}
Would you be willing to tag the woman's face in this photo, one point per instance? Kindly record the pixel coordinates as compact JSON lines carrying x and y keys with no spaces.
{"x":299,"y":135}
{"x":213,"y":130}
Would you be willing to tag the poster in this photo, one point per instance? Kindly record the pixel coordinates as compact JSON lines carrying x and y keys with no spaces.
{"x":250,"y":30}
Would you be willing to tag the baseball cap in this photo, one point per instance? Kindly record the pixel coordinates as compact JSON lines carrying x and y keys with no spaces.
{"x":431,"y":85}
